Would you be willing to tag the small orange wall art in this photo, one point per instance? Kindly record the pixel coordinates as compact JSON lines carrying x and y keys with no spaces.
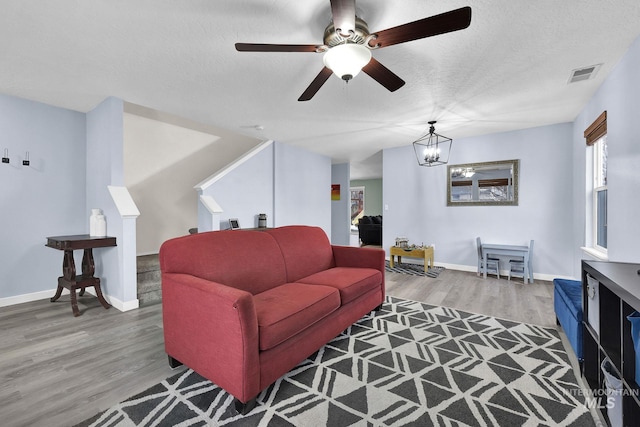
{"x":335,"y":191}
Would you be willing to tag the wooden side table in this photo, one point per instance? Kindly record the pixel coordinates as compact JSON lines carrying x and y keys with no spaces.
{"x":69,"y":279}
{"x":425,"y":253}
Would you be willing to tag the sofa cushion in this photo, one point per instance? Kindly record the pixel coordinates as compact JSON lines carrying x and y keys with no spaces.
{"x":306,"y":250}
{"x":287,"y":309}
{"x":351,"y":282}
{"x":247,"y":260}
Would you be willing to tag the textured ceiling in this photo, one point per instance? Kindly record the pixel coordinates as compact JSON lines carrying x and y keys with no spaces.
{"x":508,"y":70}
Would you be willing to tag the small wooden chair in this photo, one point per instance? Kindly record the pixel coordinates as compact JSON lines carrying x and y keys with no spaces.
{"x":493,"y":264}
{"x":516,"y":266}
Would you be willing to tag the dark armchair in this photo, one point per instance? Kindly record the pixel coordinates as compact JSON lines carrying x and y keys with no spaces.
{"x":370,"y":230}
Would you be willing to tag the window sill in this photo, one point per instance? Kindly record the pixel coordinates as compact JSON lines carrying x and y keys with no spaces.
{"x":599,"y":255}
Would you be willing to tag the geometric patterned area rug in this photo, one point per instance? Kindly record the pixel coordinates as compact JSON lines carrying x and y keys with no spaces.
{"x":411,"y":364}
{"x":413,"y":269}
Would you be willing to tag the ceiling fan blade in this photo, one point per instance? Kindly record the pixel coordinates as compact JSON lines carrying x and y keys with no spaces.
{"x":383,"y":75}
{"x":265,"y":47}
{"x":316,"y":84}
{"x":447,"y":22}
{"x":344,"y":15}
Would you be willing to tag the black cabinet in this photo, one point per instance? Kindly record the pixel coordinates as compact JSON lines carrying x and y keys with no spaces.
{"x":618,"y":296}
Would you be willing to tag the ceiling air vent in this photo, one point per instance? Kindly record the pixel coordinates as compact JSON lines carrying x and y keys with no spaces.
{"x":585,"y":73}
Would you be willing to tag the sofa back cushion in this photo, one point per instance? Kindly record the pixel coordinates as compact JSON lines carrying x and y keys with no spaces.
{"x":306,"y":250}
{"x":247,"y":260}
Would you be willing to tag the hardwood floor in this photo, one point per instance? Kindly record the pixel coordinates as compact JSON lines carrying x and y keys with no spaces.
{"x":512,"y":300}
{"x":58,"y":370}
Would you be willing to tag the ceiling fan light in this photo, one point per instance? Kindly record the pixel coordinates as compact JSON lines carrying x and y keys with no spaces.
{"x":346,"y":60}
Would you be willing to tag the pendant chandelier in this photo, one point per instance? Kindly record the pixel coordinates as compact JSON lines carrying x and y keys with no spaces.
{"x":432,"y":149}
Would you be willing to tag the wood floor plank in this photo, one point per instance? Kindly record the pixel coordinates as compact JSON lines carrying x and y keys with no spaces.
{"x":512,"y":300}
{"x":57,"y":370}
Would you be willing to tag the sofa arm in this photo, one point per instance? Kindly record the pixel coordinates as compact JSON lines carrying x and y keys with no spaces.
{"x":351,"y":256}
{"x":213,"y":329}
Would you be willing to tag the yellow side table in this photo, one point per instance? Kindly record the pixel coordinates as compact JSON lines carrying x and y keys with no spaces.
{"x":425,"y":253}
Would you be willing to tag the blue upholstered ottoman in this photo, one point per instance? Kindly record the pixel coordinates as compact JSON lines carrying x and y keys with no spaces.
{"x":567,"y":303}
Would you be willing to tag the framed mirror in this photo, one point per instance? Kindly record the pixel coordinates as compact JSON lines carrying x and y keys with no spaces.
{"x":483,"y":184}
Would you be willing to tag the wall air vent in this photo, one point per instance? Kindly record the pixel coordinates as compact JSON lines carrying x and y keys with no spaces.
{"x":585,"y":73}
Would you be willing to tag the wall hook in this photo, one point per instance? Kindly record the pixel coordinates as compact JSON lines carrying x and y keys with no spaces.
{"x":5,"y":157}
{"x":26,"y":162}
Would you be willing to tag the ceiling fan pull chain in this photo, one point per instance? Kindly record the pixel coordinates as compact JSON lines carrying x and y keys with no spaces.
{"x":346,"y":92}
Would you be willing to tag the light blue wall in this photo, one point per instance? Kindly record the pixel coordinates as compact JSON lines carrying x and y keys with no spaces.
{"x":291,"y":185}
{"x":245,"y":191}
{"x":552,"y":183}
{"x":302,"y":187}
{"x":53,"y":195}
{"x":74,"y":157}
{"x":341,"y":209}
{"x":105,"y":165}
{"x":44,"y":199}
{"x":418,"y":211}
{"x":619,"y":95}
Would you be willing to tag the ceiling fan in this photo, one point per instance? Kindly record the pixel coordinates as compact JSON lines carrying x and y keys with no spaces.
{"x":347,"y":44}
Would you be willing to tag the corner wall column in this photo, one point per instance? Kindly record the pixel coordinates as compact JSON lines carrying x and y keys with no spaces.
{"x":208,"y":213}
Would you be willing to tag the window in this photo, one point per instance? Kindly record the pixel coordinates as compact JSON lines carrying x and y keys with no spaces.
{"x":495,"y":189}
{"x":600,"y":193}
{"x":461,"y":191}
{"x":596,"y":137}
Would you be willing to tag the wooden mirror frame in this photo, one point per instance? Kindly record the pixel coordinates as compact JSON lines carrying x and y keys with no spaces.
{"x":515,"y":167}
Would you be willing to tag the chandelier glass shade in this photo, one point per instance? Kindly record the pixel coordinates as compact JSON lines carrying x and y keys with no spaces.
{"x":346,"y":60}
{"x":432,"y":149}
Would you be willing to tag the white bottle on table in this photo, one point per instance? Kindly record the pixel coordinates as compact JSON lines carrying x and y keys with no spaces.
{"x":97,"y":224}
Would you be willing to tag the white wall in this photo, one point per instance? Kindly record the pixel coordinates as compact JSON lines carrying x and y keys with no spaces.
{"x":244,"y":191}
{"x":619,"y":95}
{"x":417,"y":200}
{"x":291,"y":185}
{"x":341,"y":209}
{"x":163,"y":160}
{"x":46,"y":198}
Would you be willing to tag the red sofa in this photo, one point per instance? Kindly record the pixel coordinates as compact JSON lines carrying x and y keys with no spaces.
{"x":242,"y":308}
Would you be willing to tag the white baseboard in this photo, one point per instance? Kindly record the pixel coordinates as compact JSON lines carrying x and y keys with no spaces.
{"x":36,"y":296}
{"x":123,"y":305}
{"x":19,"y":299}
{"x":458,"y":267}
{"x":120,"y":305}
{"x":505,"y":273}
